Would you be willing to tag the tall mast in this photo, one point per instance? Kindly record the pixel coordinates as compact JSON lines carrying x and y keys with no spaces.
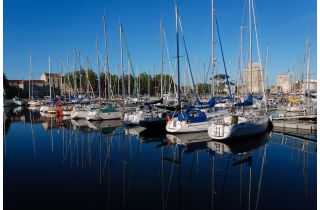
{"x":80,"y":72}
{"x":121,"y":62}
{"x":74,"y":72}
{"x":155,"y":80}
{"x":49,"y":76}
{"x":149,"y":82}
{"x":61,"y":73}
{"x":30,"y":68}
{"x":178,"y":63}
{"x":67,"y":69}
{"x":197,"y":75}
{"x":129,"y":79}
{"x":241,"y":58}
{"x":118,"y":79}
{"x":259,"y":58}
{"x":307,"y":64}
{"x":301,"y":79}
{"x":98,"y":64}
{"x":250,"y":58}
{"x":294,"y":79}
{"x":107,"y":70}
{"x":87,"y":75}
{"x":212,"y":48}
{"x":266,"y":68}
{"x":204,"y":79}
{"x":161,"y":58}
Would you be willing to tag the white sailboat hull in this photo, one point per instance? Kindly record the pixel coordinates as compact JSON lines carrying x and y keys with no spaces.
{"x":93,"y":115}
{"x":109,"y":115}
{"x":132,"y":118}
{"x":243,"y":128}
{"x":176,"y":126}
{"x":79,"y":114}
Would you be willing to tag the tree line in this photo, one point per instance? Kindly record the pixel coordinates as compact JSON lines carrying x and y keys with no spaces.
{"x":142,"y":83}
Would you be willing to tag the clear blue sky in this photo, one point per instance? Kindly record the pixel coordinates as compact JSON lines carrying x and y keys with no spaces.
{"x":48,"y":28}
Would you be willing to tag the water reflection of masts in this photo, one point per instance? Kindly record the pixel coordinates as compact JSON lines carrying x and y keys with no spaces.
{"x":261,"y":172}
{"x":303,"y":145}
{"x":127,"y":178}
{"x":110,"y":164}
{"x":212,"y":181}
{"x":32,"y":133}
{"x":305,"y":167}
{"x":176,"y":160}
{"x":124,"y":170}
{"x":250,"y":174}
{"x":179,"y":177}
{"x":51,"y":132}
{"x":162,"y":178}
{"x":100,"y":162}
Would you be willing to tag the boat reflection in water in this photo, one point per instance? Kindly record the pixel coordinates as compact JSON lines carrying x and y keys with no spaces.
{"x":103,"y":165}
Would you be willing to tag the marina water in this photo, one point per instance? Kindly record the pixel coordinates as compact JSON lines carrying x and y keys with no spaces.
{"x":52,"y":163}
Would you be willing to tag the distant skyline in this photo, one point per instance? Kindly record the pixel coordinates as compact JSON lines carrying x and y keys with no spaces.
{"x":48,"y":28}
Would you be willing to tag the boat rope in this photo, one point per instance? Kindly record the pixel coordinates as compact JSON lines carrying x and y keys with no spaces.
{"x":135,"y":89}
{"x":187,"y":54}
{"x":224,"y":63}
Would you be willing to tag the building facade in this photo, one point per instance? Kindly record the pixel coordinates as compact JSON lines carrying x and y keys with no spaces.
{"x":284,"y":83}
{"x":39,"y":88}
{"x":252,"y":80}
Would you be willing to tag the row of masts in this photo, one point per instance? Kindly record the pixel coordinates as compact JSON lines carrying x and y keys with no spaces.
{"x":107,"y":76}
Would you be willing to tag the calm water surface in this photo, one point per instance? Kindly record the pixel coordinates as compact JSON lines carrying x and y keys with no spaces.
{"x":53,"y":163}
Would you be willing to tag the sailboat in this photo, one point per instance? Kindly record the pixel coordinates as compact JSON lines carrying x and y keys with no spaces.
{"x":32,"y":102}
{"x":109,"y":112}
{"x":190,"y":120}
{"x":48,"y":106}
{"x":247,"y":123}
{"x":157,"y":116}
{"x":81,"y":111}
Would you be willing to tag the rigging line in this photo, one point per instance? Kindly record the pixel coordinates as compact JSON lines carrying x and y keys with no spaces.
{"x":258,"y":49}
{"x":130,"y":61}
{"x":169,"y":60}
{"x":134,"y":161}
{"x":169,"y":184}
{"x":96,"y":148}
{"x":67,"y":72}
{"x":185,"y":47}
{"x":224,"y":63}
{"x":262,"y":167}
{"x":208,"y":69}
{"x":90,"y":65}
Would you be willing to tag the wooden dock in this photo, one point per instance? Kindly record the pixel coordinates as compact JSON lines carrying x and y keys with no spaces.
{"x":299,"y":117}
{"x":296,"y":125}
